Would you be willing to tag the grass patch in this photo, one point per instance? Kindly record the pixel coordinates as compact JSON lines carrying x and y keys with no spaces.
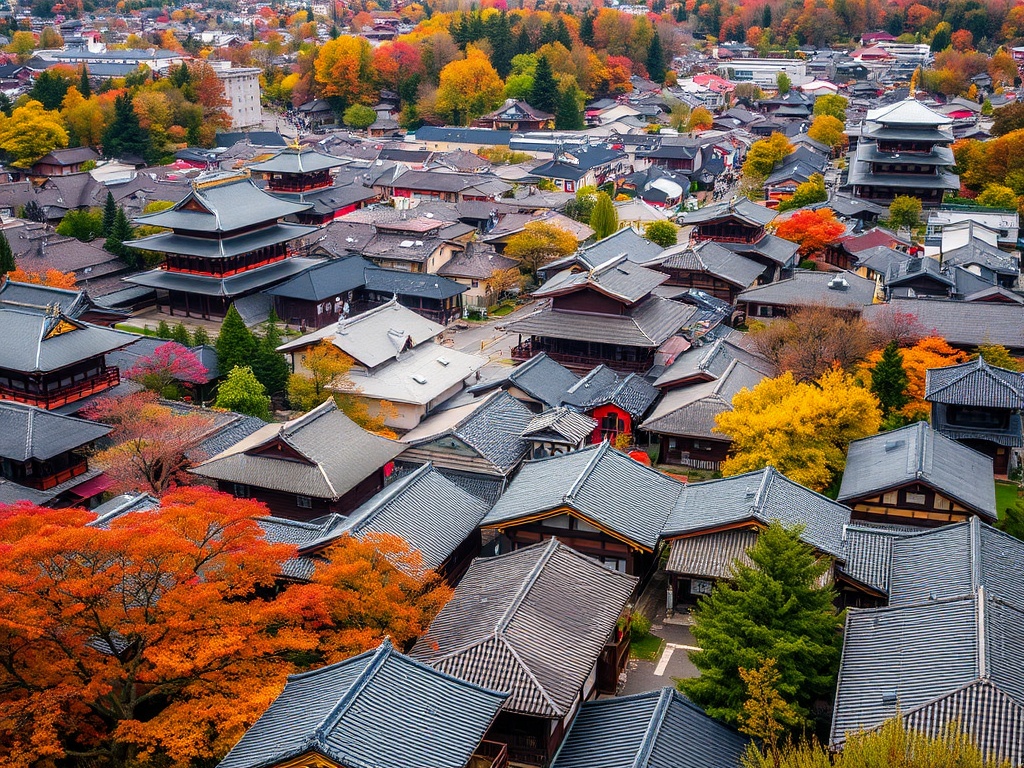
{"x":504,"y":309}
{"x":134,"y":329}
{"x":647,"y":648}
{"x":1006,"y":496}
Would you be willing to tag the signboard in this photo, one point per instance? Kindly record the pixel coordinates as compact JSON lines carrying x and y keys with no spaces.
{"x":701,"y":586}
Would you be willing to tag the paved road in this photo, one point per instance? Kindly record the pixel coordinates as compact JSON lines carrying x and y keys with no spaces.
{"x":487,"y":339}
{"x":673,"y":664}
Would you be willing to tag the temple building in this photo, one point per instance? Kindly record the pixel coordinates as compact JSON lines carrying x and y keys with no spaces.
{"x":301,"y":176}
{"x":226,"y":240}
{"x":904,"y":150}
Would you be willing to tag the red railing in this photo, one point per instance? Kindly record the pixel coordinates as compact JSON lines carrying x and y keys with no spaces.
{"x":526,"y":350}
{"x":50,"y":400}
{"x":49,"y":481}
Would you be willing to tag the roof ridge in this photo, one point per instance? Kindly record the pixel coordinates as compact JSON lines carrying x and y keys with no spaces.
{"x":653,"y":727}
{"x":331,"y":719}
{"x":525,"y":587}
{"x":983,"y":672}
{"x":387,"y":496}
{"x":974,"y":532}
{"x":767,"y":477}
{"x":529,"y":672}
{"x":602,"y":449}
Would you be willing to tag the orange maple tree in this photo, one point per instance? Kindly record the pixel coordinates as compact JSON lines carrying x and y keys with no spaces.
{"x":162,"y":638}
{"x":812,"y":230}
{"x":930,"y":352}
{"x":53,"y":278}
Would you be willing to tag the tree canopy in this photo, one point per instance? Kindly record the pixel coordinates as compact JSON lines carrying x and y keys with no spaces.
{"x":539,"y":243}
{"x":604,"y":219}
{"x":241,"y":391}
{"x":664,"y":233}
{"x":812,"y":230}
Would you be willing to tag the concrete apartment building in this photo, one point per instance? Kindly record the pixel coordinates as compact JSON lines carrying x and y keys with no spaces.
{"x":242,"y":89}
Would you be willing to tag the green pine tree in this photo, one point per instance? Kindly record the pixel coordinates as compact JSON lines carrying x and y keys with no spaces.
{"x":774,"y":609}
{"x":242,"y":392}
{"x":121,"y":233}
{"x":587,"y":28}
{"x":200,"y":337}
{"x":6,"y":256}
{"x":84,"y":86}
{"x":236,"y":344}
{"x":889,"y":380}
{"x":569,"y":116}
{"x":109,"y":214}
{"x":180,"y":334}
{"x":269,"y":365}
{"x":125,"y":136}
{"x":656,"y":59}
{"x":603,"y":219}
{"x":163,"y":330}
{"x":545,"y":89}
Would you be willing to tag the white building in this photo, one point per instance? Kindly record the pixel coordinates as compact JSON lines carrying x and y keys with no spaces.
{"x":242,"y":89}
{"x":914,"y":52}
{"x":763,"y":72}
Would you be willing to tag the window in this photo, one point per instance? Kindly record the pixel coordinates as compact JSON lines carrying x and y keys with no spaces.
{"x":475,"y":283}
{"x":303,"y":502}
{"x":240,"y":490}
{"x":941,"y":503}
{"x":915,"y":498}
{"x":890,"y":498}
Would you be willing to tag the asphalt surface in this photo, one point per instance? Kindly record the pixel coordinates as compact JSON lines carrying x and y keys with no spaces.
{"x":674,"y":663}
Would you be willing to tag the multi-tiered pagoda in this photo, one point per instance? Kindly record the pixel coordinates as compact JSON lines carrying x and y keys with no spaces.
{"x":226,"y":240}
{"x":904,"y":149}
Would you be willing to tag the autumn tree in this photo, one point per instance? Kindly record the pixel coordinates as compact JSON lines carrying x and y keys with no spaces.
{"x":811,"y":191}
{"x":150,"y":442}
{"x":766,"y":715}
{"x":801,"y":428}
{"x":829,"y":130}
{"x":241,"y":391}
{"x":998,"y":196}
{"x":539,"y":243}
{"x":664,"y":233}
{"x":1008,"y":119}
{"x":170,"y":364}
{"x":764,"y":154}
{"x":105,"y":632}
{"x":604,"y":219}
{"x":701,"y":119}
{"x":469,"y":88}
{"x":929,"y":352}
{"x":775,"y":608}
{"x":812,"y":230}
{"x":811,"y":341}
{"x":31,"y":132}
{"x":53,"y":278}
{"x":894,"y":325}
{"x":998,"y":356}
{"x":831,"y":104}
{"x":904,"y":212}
{"x":344,"y":72}
{"x":324,"y":364}
{"x":503,"y":281}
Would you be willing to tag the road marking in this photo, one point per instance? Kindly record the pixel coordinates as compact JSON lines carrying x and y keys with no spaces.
{"x":663,"y":662}
{"x":682,"y":647}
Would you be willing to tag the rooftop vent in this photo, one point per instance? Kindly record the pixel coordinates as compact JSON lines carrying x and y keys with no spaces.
{"x":405,"y":244}
{"x":892,"y":445}
{"x":419,"y":379}
{"x":750,"y":493}
{"x":444,"y":361}
{"x":889,"y":697}
{"x":419,"y":242}
{"x":838,"y":283}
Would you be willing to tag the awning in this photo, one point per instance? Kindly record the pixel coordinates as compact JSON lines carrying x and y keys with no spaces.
{"x":91,"y":488}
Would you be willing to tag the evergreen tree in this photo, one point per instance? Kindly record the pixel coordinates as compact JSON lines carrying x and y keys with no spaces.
{"x":121,"y":233}
{"x":569,"y":116}
{"x":109,"y":214}
{"x":766,"y":16}
{"x":523,"y":42}
{"x":269,"y":365}
{"x":236,"y":345}
{"x":200,"y":337}
{"x":562,"y":33}
{"x":889,"y":380}
{"x":587,"y":28}
{"x":163,"y":330}
{"x":656,"y":59}
{"x":179,"y":333}
{"x":84,"y":86}
{"x":6,"y":256}
{"x":242,"y":392}
{"x":603,"y":219}
{"x":50,"y":87}
{"x":772,"y":609}
{"x":545,"y":89}
{"x":125,"y":136}
{"x":499,"y":34}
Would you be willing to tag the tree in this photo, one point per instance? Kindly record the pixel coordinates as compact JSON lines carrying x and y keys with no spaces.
{"x":121,"y":233}
{"x":904,"y":212}
{"x":829,"y":130}
{"x":1008,"y":119}
{"x":235,"y":344}
{"x":51,"y":85}
{"x":811,"y":341}
{"x":582,"y":205}
{"x":811,"y":191}
{"x":545,"y":89}
{"x":813,"y":230}
{"x":470,"y":87}
{"x":569,"y":116}
{"x":22,"y":44}
{"x":764,"y":154}
{"x":502,"y":282}
{"x":892,"y":325}
{"x":772,"y":609}
{"x":269,"y":365}
{"x":664,"y":233}
{"x":169,"y":364}
{"x":180,"y":334}
{"x":31,"y":132}
{"x":539,"y":243}
{"x":801,"y":428}
{"x":604,"y":219}
{"x":999,"y":356}
{"x":81,"y":225}
{"x":783,"y":82}
{"x":151,"y":442}
{"x":929,"y":352}
{"x":942,"y":38}
{"x":109,"y":214}
{"x":656,"y":59}
{"x":52,"y":277}
{"x":766,"y":715}
{"x":325,"y":365}
{"x":359,"y":117}
{"x":125,"y":136}
{"x":831,"y":104}
{"x":344,"y":71}
{"x":998,"y":196}
{"x":84,"y":85}
{"x":7,"y":264}
{"x":241,"y":391}
{"x":889,"y":381}
{"x":700,"y":120}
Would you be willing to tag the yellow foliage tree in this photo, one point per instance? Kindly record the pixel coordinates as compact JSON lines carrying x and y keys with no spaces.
{"x":468,"y":88}
{"x":931,"y":352}
{"x":539,"y":243}
{"x":828,"y":130}
{"x":344,"y":71}
{"x":801,"y":429}
{"x":30,"y":132}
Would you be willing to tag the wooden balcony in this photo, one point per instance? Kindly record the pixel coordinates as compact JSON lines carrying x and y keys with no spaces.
{"x":490,"y":754}
{"x":580,"y":363}
{"x":47,"y":482}
{"x":55,"y":399}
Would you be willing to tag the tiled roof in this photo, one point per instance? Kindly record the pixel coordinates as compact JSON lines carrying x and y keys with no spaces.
{"x":560,"y":424}
{"x":916,"y":452}
{"x":507,"y":627}
{"x":709,"y":361}
{"x":39,"y":342}
{"x":711,"y":258}
{"x":125,"y":504}
{"x":419,"y":376}
{"x":603,"y":386}
{"x":291,"y":160}
{"x":27,"y":432}
{"x":600,"y":484}
{"x":961,"y":323}
{"x":658,"y":729}
{"x":636,"y":247}
{"x":770,"y":247}
{"x":867,"y":553}
{"x":540,"y":377}
{"x":764,"y":495}
{"x":376,"y":710}
{"x":618,"y":277}
{"x":712,"y":555}
{"x":975,"y":383}
{"x":811,"y":287}
{"x":740,"y":208}
{"x":326,"y":279}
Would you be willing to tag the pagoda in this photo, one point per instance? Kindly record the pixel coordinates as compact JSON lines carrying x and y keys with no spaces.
{"x":226,"y":240}
{"x":904,"y":149}
{"x":301,"y":175}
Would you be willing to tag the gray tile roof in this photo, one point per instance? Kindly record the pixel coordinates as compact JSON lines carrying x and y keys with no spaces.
{"x":12,"y":493}
{"x":38,"y":342}
{"x":916,"y":452}
{"x":292,"y":160}
{"x":602,"y":386}
{"x":617,"y":277}
{"x":761,"y":496}
{"x":600,"y":484}
{"x":658,"y":729}
{"x":935,"y":662}
{"x":709,"y":361}
{"x":880,"y":259}
{"x":228,"y":287}
{"x":712,"y":555}
{"x":339,"y":455}
{"x":975,"y":383}
{"x":508,"y":625}
{"x":811,"y":287}
{"x":27,"y":432}
{"x":244,"y":242}
{"x":713,"y":259}
{"x":540,"y":377}
{"x":324,"y":280}
{"x":867,"y":553}
{"x":122,"y":505}
{"x":957,"y":560}
{"x":739,"y":208}
{"x":773,"y":248}
{"x":961,"y":323}
{"x":648,"y":324}
{"x":628,"y":241}
{"x":376,"y":710}
{"x":495,"y":429}
{"x":560,"y":425}
{"x":419,"y":284}
{"x":981,"y":253}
